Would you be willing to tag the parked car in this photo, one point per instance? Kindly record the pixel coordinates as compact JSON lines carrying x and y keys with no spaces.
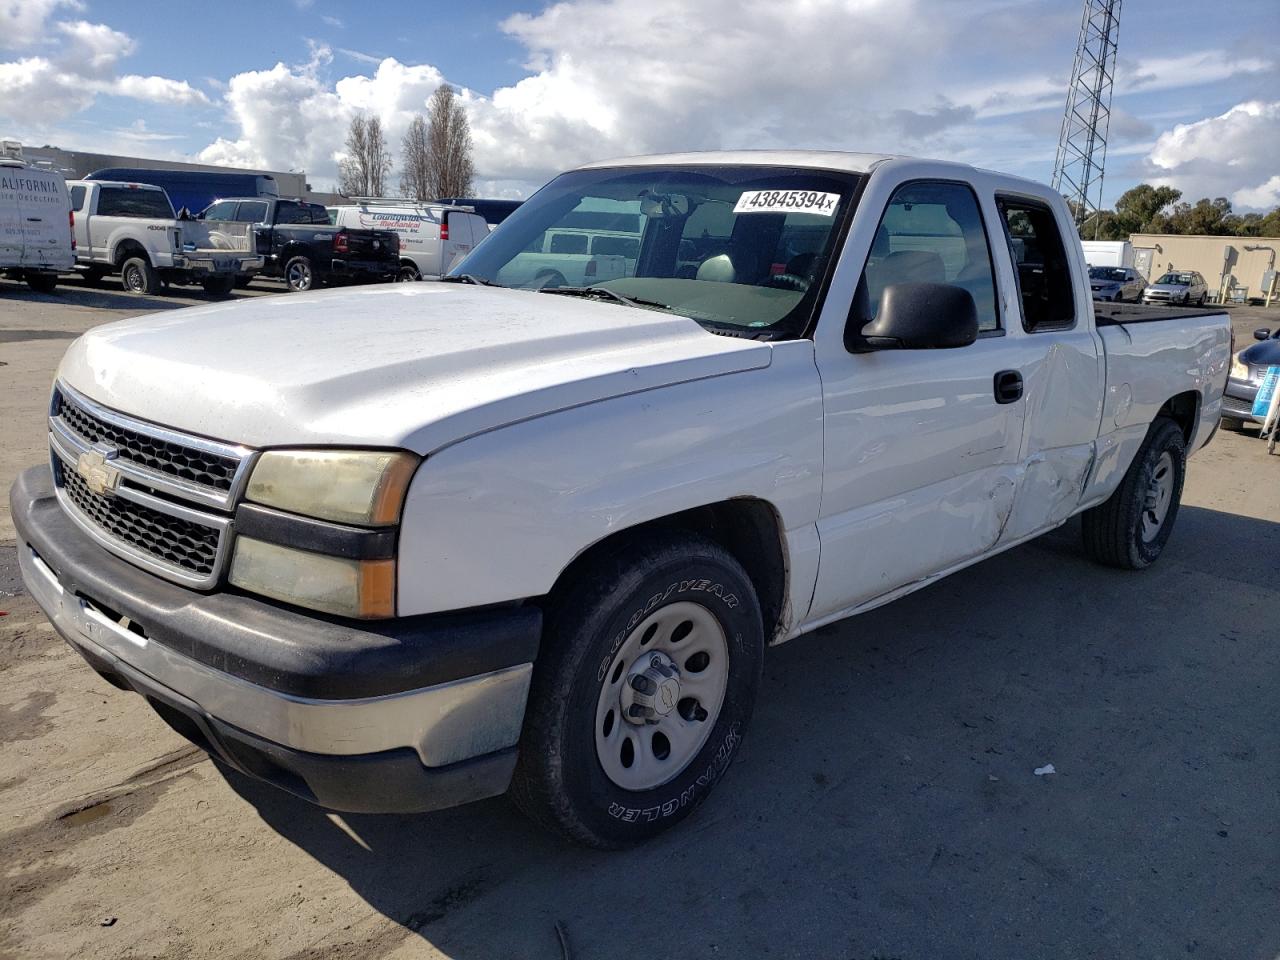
{"x":302,"y":248}
{"x":493,"y":211}
{"x":1248,"y":367}
{"x":433,"y":237}
{"x":1116,"y":284}
{"x":397,"y":548}
{"x":194,"y":190}
{"x":37,"y":233}
{"x":130,"y":229}
{"x":1181,"y":286}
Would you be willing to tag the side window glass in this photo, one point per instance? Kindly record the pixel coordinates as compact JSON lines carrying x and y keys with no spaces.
{"x":289,"y":212}
{"x":933,"y":233}
{"x":1040,"y":261}
{"x":251,"y":211}
{"x":222,"y":210}
{"x":77,"y":198}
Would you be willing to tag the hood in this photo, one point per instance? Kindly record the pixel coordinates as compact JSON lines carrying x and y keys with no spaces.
{"x":411,"y":365}
{"x":1263,"y":353}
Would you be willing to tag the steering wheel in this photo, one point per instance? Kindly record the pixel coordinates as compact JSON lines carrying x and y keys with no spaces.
{"x":789,"y":281}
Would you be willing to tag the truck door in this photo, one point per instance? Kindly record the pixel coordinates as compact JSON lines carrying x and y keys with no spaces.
{"x":920,"y":446}
{"x":1051,"y":326}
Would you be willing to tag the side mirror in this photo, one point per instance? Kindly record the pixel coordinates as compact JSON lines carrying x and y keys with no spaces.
{"x":1262,"y":333}
{"x":915,"y":316}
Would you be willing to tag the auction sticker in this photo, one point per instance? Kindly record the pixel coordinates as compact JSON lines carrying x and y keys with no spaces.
{"x":788,"y":201}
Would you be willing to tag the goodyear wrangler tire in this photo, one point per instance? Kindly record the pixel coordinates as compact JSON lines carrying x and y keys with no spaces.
{"x":642,"y":692}
{"x":1130,"y":529}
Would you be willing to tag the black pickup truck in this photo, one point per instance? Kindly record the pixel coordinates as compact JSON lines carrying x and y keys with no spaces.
{"x":299,"y":245}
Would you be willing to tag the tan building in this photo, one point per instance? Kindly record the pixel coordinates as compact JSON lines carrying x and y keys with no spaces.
{"x":1225,"y":262}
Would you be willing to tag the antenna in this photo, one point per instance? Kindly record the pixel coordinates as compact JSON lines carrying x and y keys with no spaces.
{"x":1082,"y":144}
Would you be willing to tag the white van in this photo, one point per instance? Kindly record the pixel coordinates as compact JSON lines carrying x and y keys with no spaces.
{"x":37,"y":234}
{"x":433,"y":236}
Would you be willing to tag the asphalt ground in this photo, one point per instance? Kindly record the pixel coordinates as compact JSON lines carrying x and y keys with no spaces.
{"x":885,"y":803}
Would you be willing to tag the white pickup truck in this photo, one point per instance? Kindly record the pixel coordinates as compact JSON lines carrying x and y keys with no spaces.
{"x":131,"y":229}
{"x":539,"y":539}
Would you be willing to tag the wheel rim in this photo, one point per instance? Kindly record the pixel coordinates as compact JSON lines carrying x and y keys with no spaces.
{"x":299,"y":276}
{"x":407,"y":275}
{"x":1155,"y":507}
{"x":133,"y":278}
{"x":661,"y":697}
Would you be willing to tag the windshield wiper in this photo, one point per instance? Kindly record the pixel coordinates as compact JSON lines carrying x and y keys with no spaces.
{"x":469,"y":278}
{"x":607,"y":294}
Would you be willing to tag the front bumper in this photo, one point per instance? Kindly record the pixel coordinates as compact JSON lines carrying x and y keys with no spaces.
{"x":1237,"y":401}
{"x":408,"y":715}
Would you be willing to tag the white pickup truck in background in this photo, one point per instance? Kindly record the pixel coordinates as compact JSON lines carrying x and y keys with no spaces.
{"x":131,"y":229}
{"x":539,"y":538}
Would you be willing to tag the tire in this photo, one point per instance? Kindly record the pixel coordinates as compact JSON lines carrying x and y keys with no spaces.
{"x":594,"y":648}
{"x":299,"y":275}
{"x":220,"y":286}
{"x":1232,"y":424}
{"x":42,"y":282}
{"x":1131,"y":528}
{"x":93,"y":276}
{"x":1200,"y":302}
{"x":408,"y":273}
{"x":243,"y":280}
{"x":139,"y":276}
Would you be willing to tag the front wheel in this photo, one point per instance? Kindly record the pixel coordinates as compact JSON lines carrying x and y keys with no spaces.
{"x":643,"y":690}
{"x":299,"y":275}
{"x":1130,"y":529}
{"x":408,"y":273}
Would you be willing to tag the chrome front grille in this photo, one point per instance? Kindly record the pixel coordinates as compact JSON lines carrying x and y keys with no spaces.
{"x":170,"y":507}
{"x":186,"y":545}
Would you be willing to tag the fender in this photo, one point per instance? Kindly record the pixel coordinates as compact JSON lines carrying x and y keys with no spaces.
{"x":499,"y":516}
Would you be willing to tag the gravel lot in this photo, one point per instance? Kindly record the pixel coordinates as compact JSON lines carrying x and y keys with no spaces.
{"x":884,"y":804}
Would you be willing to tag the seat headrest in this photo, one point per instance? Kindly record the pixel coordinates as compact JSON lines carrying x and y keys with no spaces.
{"x":719,"y":269}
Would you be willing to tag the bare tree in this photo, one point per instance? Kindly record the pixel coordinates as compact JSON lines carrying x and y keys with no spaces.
{"x":364,"y":170}
{"x":415,"y":163}
{"x":450,"y":171}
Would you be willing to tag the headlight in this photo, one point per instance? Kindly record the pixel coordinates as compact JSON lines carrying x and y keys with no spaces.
{"x":349,"y":588}
{"x":334,"y":573}
{"x":1239,"y":369}
{"x":362,"y":487}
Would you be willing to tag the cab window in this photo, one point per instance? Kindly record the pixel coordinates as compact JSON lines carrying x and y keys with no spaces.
{"x":221,"y":210}
{"x":251,"y":211}
{"x":1041,"y":264}
{"x":932,"y":232}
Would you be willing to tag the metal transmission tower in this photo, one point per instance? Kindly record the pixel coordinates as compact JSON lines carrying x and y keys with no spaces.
{"x":1082,"y":145}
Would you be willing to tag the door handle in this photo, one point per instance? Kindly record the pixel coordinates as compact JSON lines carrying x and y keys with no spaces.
{"x":1008,"y":386}
{"x":35,"y":219}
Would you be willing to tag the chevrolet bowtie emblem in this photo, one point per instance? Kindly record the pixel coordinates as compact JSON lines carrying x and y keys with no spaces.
{"x":98,"y":474}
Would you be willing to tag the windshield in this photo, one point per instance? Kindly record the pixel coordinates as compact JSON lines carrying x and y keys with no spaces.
{"x":1177,"y":279}
{"x":742,"y":248}
{"x":1108,"y":273}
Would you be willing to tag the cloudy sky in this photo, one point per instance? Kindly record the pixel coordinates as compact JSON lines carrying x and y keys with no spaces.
{"x":273,"y":83}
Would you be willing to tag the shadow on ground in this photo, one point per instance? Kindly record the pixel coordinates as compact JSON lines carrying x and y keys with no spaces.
{"x":885,"y":803}
{"x":109,"y":295}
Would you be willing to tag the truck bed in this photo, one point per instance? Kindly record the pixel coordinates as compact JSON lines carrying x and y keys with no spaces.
{"x":1109,"y":314}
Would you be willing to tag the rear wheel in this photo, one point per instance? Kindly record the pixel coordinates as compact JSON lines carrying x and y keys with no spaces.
{"x":139,"y":276}
{"x":642,"y":692}
{"x":408,"y":272}
{"x":42,"y":282}
{"x":299,"y":275}
{"x":219,"y":286}
{"x":1131,"y":528}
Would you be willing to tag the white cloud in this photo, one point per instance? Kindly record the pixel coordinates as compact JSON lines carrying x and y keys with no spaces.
{"x":1232,"y":155}
{"x":22,"y":22}
{"x":83,"y":64}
